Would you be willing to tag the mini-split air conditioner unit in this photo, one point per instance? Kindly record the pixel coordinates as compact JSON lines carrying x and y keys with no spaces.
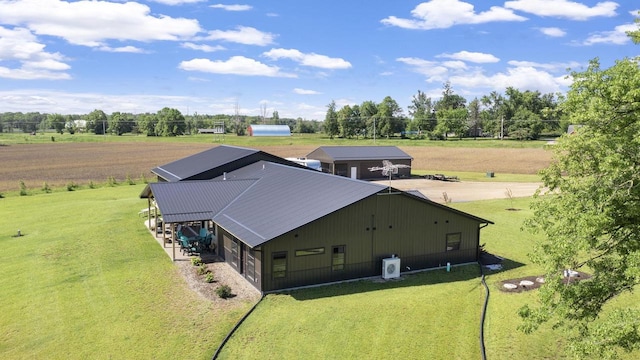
{"x":391,"y":268}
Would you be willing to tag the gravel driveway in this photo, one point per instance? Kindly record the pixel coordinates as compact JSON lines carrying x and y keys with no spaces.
{"x":461,"y":191}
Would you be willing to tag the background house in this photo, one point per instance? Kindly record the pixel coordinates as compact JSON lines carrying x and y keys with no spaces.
{"x":355,"y":161}
{"x":283,"y":227}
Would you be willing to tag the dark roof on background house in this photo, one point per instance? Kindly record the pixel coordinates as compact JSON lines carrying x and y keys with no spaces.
{"x":339,"y":153}
{"x":213,"y":162}
{"x":264,"y":200}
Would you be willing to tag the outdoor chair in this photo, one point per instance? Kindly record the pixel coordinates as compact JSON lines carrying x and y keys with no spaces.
{"x":186,"y":246}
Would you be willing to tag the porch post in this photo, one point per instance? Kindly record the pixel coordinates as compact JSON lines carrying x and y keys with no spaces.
{"x":173,"y":243}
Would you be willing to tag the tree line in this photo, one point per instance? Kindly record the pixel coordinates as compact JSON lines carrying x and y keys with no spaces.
{"x":516,"y":114}
{"x":165,"y":122}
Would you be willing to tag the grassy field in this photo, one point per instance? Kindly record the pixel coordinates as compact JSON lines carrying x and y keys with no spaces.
{"x":87,"y":281}
{"x":82,"y":159}
{"x":428,"y":315}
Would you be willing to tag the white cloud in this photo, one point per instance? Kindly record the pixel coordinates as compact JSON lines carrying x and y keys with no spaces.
{"x":552,"y":67}
{"x":520,"y":74}
{"x":306,"y":92}
{"x":442,"y":14}
{"x":177,"y":2}
{"x":243,"y":35}
{"x":522,"y":78}
{"x":455,"y":64}
{"x":313,"y":60}
{"x":475,"y":57}
{"x":563,"y":8}
{"x":21,"y":46}
{"x":122,"y":49}
{"x":236,"y":7}
{"x":433,"y":70}
{"x":236,"y":65}
{"x":92,"y":23}
{"x":617,"y":37}
{"x":553,"y":31}
{"x":202,"y":47}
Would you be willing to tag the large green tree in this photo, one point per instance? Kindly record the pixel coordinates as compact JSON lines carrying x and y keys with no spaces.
{"x":422,"y":112}
{"x":57,"y":122}
{"x":170,"y":122}
{"x":97,"y":122}
{"x":389,"y":117}
{"x":331,"y":126}
{"x":591,"y":222}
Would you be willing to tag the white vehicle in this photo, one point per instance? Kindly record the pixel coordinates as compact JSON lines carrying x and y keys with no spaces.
{"x":310,"y":163}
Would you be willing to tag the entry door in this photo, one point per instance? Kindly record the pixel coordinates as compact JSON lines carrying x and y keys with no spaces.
{"x":354,"y":172}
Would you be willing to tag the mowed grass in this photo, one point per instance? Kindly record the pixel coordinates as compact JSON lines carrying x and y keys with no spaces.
{"x":87,"y":281}
{"x":427,"y":315}
{"x":431,"y":315}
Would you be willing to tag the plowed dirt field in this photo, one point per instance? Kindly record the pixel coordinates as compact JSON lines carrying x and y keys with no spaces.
{"x":59,"y":164}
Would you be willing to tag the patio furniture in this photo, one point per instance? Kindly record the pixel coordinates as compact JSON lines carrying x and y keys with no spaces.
{"x":186,"y":246}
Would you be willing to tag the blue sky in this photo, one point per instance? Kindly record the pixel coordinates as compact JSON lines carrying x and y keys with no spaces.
{"x":293,"y":56}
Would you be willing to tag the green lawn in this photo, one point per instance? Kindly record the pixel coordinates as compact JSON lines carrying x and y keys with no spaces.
{"x":87,"y":281}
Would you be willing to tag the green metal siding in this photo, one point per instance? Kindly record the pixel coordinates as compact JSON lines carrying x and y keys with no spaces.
{"x":372,"y":229}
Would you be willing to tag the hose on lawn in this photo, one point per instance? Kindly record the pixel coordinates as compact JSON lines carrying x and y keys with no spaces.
{"x":484,"y":311}
{"x":215,"y":355}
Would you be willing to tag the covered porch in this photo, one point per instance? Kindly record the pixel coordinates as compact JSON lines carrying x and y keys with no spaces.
{"x":182,"y":234}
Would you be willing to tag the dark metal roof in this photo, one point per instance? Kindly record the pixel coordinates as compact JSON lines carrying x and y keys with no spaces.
{"x":198,"y":163}
{"x":339,"y":153}
{"x":195,"y":200}
{"x":261,"y":201}
{"x":285,"y":198}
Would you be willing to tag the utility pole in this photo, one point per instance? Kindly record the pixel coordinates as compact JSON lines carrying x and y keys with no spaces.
{"x":502,"y":127}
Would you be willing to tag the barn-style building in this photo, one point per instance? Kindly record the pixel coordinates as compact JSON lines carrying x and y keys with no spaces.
{"x":269,"y":130}
{"x":281,"y":226}
{"x":356,"y":161}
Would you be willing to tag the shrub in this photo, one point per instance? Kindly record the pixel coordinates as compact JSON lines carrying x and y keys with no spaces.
{"x":143,"y":178}
{"x":46,"y":188}
{"x":130,"y":181}
{"x":92,"y":185}
{"x":202,"y":269}
{"x":23,"y":188}
{"x":224,"y":292}
{"x":72,"y":186}
{"x":196,"y":261}
{"x":111,"y":181}
{"x":1,"y":195}
{"x":209,"y":278}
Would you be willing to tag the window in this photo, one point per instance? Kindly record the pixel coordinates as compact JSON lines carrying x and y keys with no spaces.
{"x":305,"y":252}
{"x":234,"y":252}
{"x":251,"y":265}
{"x":453,"y":241}
{"x":279,"y":264}
{"x":337,"y":258}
